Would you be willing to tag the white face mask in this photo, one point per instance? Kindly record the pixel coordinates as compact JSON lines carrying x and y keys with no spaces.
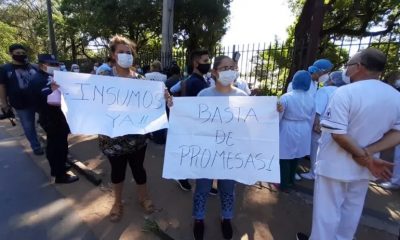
{"x":75,"y":70}
{"x":323,"y":78}
{"x":226,"y":78}
{"x":50,"y":70}
{"x":125,"y":60}
{"x":345,"y":78}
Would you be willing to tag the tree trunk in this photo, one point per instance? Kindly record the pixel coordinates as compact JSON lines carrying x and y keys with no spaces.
{"x":73,"y":50}
{"x":307,"y":37}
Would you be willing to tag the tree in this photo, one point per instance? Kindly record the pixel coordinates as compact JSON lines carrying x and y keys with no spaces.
{"x":28,"y":19}
{"x":7,"y":38}
{"x":78,"y":23}
{"x":200,"y":24}
{"x":140,"y":20}
{"x":341,"y":18}
{"x":196,"y":23}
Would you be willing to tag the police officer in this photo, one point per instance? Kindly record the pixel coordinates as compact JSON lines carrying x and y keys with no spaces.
{"x":51,"y":119}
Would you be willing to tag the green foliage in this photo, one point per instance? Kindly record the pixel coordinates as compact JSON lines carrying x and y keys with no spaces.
{"x":200,"y":24}
{"x":355,"y":18}
{"x":78,"y":23}
{"x":7,"y":38}
{"x":391,"y":47}
{"x":139,"y":20}
{"x":272,"y":66}
{"x":28,"y":20}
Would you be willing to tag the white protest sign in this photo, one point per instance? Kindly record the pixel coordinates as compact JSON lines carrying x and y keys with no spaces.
{"x":223,"y":138}
{"x":111,"y":106}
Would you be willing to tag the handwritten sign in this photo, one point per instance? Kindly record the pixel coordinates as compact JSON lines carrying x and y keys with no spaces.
{"x":111,"y":106}
{"x":223,"y":138}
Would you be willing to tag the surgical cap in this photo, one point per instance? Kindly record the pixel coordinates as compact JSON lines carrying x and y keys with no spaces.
{"x":312,"y":69}
{"x":336,"y":78}
{"x":323,"y":64}
{"x":301,"y":80}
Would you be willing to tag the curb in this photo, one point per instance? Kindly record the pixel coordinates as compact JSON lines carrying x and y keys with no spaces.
{"x":90,"y":175}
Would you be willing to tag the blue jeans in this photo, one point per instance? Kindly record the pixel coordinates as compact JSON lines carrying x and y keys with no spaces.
{"x":226,"y":190}
{"x":27,"y":118}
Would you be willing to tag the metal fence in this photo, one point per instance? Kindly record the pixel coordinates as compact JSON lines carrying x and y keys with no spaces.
{"x":266,"y":66}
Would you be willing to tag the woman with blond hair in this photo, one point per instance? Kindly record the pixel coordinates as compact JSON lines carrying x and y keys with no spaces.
{"x":128,"y":149}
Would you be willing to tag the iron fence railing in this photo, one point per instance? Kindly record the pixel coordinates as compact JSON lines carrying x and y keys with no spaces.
{"x":266,"y":66}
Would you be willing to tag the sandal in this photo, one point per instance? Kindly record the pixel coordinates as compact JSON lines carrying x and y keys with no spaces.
{"x":148,"y":206}
{"x":116,"y":212}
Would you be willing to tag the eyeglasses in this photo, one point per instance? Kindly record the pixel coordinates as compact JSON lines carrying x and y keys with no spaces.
{"x":126,"y":52}
{"x":226,"y":68}
{"x":350,"y":64}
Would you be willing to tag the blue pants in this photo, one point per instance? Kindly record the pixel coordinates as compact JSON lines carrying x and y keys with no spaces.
{"x":27,"y":118}
{"x":226,"y":190}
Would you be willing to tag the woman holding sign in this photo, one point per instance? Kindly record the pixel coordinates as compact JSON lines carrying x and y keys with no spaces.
{"x":224,"y":71}
{"x":295,"y":127}
{"x":129,"y":149}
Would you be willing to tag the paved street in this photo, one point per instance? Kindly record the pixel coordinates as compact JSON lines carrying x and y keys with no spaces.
{"x":31,"y":208}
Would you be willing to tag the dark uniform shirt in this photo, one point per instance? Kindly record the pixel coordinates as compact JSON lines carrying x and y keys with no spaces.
{"x":193,"y":85}
{"x":51,"y":118}
{"x":16,"y":79}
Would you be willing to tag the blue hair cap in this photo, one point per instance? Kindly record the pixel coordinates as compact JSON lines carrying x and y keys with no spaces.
{"x":336,"y":78}
{"x":323,"y":64}
{"x":313,"y":69}
{"x":301,"y":80}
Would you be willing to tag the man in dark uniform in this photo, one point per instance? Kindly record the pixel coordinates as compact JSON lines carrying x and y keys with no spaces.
{"x":51,"y":119}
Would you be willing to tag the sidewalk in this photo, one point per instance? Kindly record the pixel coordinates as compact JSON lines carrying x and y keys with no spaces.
{"x":261,"y":213}
{"x":31,"y":208}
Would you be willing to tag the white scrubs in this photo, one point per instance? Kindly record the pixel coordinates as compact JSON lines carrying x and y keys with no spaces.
{"x":341,"y":183}
{"x":294,"y":127}
{"x":321,"y":102}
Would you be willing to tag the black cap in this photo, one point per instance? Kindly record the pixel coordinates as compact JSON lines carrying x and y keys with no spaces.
{"x":16,"y":46}
{"x":47,"y":58}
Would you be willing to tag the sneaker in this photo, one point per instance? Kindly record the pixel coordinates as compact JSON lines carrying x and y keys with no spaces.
{"x":38,"y":151}
{"x":389,"y":186}
{"x":226,"y":227}
{"x":185,"y":185}
{"x":213,"y":191}
{"x":301,"y":236}
{"x":308,"y":176}
{"x":198,"y":229}
{"x":297,"y":177}
{"x":66,"y":178}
